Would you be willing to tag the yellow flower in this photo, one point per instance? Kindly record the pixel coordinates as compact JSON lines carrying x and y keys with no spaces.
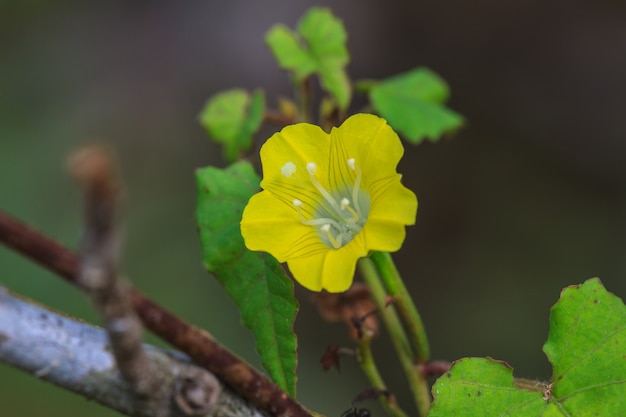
{"x":329,"y":199}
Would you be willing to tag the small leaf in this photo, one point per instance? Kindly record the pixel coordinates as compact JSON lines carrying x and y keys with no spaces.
{"x":587,"y":349}
{"x":326,"y":38}
{"x":319,"y":46}
{"x":254,"y":280}
{"x":483,"y":387}
{"x":232,"y":117}
{"x":289,"y":52}
{"x":412,"y":103}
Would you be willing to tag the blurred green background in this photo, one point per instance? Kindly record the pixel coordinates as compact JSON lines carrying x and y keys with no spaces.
{"x":529,"y":197}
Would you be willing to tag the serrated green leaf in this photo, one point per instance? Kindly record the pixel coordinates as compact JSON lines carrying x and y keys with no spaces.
{"x":412,"y":103}
{"x":319,"y":46}
{"x":587,"y":349}
{"x":326,"y":38}
{"x":483,"y":387}
{"x":254,"y":280}
{"x":232,"y":117}
{"x":289,"y":52}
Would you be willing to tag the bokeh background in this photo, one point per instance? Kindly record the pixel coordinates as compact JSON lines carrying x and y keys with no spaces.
{"x":528,"y":198}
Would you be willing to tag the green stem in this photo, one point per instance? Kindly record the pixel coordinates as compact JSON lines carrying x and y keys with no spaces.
{"x":402,"y":300}
{"x":366,"y":360}
{"x":417,"y":383}
{"x":304,"y":100}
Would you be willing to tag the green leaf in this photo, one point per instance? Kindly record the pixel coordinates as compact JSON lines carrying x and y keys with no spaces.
{"x":413,"y":102}
{"x":289,"y":52}
{"x":232,"y":117}
{"x":254,"y":280}
{"x":587,"y":349}
{"x":327,"y":38}
{"x":319,"y":46}
{"x":483,"y":387}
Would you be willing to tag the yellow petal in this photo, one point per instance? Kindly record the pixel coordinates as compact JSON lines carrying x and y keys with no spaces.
{"x":393,"y":207}
{"x":372,"y":142}
{"x":332,"y":270}
{"x":383,"y":235}
{"x":308,"y":271}
{"x":271,"y":226}
{"x":299,"y":144}
{"x":392,"y":202}
{"x":339,"y":268}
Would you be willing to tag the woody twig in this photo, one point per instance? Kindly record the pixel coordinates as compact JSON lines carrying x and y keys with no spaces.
{"x":98,"y":265}
{"x":198,"y":344}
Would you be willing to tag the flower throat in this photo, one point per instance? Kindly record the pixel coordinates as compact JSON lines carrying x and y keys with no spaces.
{"x":339,"y":214}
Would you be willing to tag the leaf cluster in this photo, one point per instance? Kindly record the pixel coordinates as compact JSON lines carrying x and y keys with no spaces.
{"x":413,"y":103}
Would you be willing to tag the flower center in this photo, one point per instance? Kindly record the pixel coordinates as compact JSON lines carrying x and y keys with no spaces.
{"x":338,"y":214}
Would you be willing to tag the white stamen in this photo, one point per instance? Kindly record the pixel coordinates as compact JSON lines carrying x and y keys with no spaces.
{"x":336,"y":213}
{"x":357,"y":185}
{"x":288,"y":169}
{"x":335,"y":242}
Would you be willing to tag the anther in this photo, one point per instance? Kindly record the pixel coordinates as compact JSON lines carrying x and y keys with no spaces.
{"x":335,"y":242}
{"x":288,"y":169}
{"x":351,"y":163}
{"x":345,"y":205}
{"x":297,"y":202}
{"x":311,"y":167}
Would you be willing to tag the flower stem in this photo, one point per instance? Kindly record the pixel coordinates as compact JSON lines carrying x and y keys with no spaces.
{"x":417,"y":383}
{"x":304,"y":100}
{"x":366,"y":361}
{"x":396,"y":289}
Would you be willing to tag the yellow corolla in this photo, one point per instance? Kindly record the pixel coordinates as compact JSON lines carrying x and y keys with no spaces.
{"x":329,"y":199}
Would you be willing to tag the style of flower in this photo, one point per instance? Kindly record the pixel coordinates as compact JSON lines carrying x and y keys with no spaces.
{"x":329,"y":199}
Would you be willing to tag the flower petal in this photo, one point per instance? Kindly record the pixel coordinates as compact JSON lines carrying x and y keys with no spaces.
{"x":270,"y":225}
{"x":372,"y":142}
{"x":308,"y":270}
{"x":298,"y":144}
{"x":332,"y":271}
{"x":384,"y":236}
{"x":393,"y":207}
{"x":392,"y":202}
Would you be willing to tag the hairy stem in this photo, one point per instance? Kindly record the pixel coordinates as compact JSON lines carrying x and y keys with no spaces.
{"x":417,"y":383}
{"x":410,"y":316}
{"x":369,"y":368}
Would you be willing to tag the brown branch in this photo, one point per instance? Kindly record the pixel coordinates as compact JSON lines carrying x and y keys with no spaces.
{"x":196,"y":343}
